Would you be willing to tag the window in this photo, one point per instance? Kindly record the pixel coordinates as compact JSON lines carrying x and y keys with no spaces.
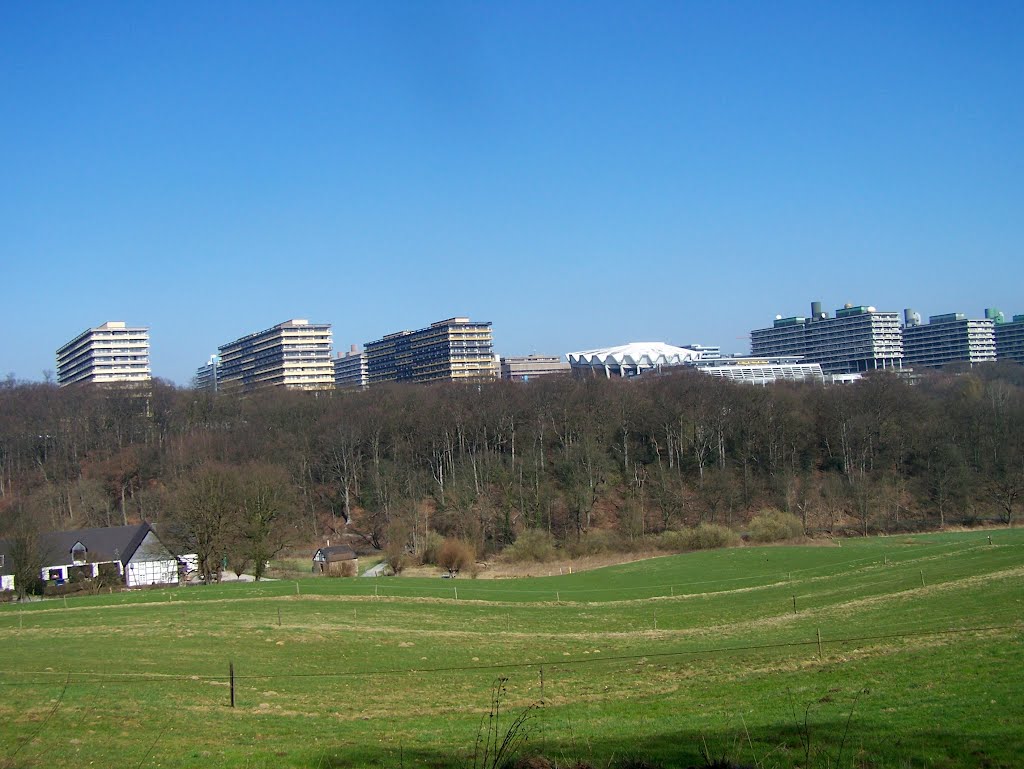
{"x":78,"y":553}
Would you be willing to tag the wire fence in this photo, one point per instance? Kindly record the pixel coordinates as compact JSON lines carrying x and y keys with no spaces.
{"x":70,"y":678}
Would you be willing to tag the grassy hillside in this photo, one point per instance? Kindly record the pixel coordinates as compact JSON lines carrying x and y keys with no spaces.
{"x":920,"y":664}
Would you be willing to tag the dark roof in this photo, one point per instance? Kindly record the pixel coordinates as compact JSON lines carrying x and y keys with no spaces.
{"x":336,"y":553}
{"x":111,"y":543}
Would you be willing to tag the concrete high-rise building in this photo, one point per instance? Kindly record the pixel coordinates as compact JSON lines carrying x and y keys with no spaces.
{"x":113,"y":353}
{"x":456,"y":349}
{"x":857,"y":339}
{"x":947,"y":339}
{"x":527,"y":367}
{"x":207,"y":377}
{"x":351,"y":369}
{"x":294,"y":354}
{"x":1009,"y":336}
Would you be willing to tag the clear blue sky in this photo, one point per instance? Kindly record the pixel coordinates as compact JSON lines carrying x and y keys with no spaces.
{"x":579,"y":173}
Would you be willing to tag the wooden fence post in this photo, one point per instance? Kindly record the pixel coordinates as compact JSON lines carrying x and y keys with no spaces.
{"x":231,"y":681}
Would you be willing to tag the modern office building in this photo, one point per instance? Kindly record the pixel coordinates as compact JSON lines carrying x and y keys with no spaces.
{"x":351,"y":370}
{"x":527,"y":367}
{"x":113,"y":353}
{"x":207,"y":377}
{"x":629,"y":360}
{"x":947,"y":339}
{"x":1009,"y":336}
{"x":857,"y":339}
{"x":705,"y":351}
{"x":294,"y":354}
{"x":456,"y":349}
{"x":760,"y":371}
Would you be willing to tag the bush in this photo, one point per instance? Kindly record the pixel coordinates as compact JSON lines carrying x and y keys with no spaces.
{"x":455,"y":555}
{"x":705,"y":536}
{"x":430,"y":548}
{"x":532,"y":545}
{"x":775,"y":526}
{"x":598,"y":541}
{"x":396,"y":559}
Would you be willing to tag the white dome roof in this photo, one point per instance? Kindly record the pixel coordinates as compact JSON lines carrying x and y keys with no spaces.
{"x":634,"y":354}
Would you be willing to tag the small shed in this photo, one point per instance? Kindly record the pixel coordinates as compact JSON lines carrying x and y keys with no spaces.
{"x":336,"y":561}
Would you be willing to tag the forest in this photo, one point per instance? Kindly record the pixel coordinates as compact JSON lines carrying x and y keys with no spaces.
{"x":399,"y":466}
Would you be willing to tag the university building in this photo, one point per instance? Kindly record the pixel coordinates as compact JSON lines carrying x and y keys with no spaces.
{"x":527,"y":367}
{"x":207,"y":377}
{"x":856,"y":340}
{"x":946,"y":339}
{"x":294,"y":354}
{"x":456,"y":349}
{"x":113,"y":353}
{"x":1009,"y":336}
{"x":351,"y":370}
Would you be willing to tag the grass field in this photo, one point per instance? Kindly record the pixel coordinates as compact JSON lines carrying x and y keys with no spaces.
{"x":920,"y":664}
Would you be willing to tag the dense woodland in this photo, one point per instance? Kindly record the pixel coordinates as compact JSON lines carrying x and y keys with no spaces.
{"x":391,"y":466}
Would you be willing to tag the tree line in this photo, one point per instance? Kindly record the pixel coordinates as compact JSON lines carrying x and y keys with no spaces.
{"x":242,"y":476}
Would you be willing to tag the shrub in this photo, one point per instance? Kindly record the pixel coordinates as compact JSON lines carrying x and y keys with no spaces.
{"x":430,"y":548}
{"x":455,"y":555}
{"x":395,"y":558}
{"x":598,"y":541}
{"x":772,"y":525}
{"x":532,"y":545}
{"x":705,"y":536}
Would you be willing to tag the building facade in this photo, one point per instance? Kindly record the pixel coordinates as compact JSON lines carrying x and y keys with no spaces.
{"x":760,"y":371}
{"x":947,"y":339}
{"x":456,"y":349}
{"x":113,"y":353}
{"x":856,"y":340}
{"x":294,"y":354}
{"x":207,"y":377}
{"x":1009,"y":338}
{"x":351,"y":370}
{"x":527,"y":367}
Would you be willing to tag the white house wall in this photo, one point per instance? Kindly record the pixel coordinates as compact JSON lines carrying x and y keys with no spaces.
{"x":152,"y":564}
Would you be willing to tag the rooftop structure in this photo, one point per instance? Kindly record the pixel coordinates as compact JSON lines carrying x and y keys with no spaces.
{"x":294,"y":354}
{"x":946,"y":339}
{"x":857,"y":339}
{"x":456,"y":349}
{"x":111,"y":353}
{"x":630,"y":360}
{"x":527,"y":367}
{"x":351,"y":369}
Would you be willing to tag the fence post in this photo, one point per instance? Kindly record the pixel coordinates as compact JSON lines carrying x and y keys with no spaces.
{"x":297,"y":589}
{"x":819,"y":642}
{"x":542,"y":683}
{"x":794,"y":604}
{"x":279,"y":616}
{"x":231,"y":681}
{"x":922,"y":577}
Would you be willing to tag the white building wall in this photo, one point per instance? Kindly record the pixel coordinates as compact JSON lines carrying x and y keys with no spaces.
{"x":152,"y":564}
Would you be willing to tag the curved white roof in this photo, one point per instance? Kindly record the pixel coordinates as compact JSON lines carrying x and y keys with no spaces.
{"x":634,"y":354}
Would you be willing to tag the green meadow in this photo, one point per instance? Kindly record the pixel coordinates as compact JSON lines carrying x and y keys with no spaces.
{"x":883,"y":652}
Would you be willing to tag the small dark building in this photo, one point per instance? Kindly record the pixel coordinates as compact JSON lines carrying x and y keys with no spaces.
{"x":336,"y":561}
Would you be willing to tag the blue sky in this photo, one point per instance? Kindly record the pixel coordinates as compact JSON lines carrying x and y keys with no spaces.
{"x":581,"y":174}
